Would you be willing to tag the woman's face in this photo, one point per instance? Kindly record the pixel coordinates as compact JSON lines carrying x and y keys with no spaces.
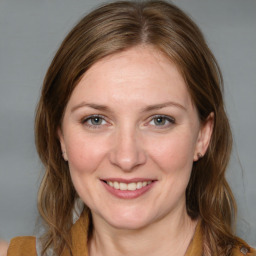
{"x":130,"y":134}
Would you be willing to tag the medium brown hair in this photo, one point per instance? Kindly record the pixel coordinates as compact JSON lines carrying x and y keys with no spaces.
{"x":110,"y":29}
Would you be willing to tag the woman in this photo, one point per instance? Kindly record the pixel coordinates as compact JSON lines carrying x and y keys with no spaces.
{"x":135,"y":141}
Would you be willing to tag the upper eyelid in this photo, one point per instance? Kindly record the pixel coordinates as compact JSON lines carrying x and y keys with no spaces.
{"x":164,"y":116}
{"x":84,"y":122}
{"x":92,"y":116}
{"x":170,"y":118}
{"x":107,"y":117}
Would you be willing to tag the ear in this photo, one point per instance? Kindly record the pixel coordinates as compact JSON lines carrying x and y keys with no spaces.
{"x":204,"y":137}
{"x":62,"y":144}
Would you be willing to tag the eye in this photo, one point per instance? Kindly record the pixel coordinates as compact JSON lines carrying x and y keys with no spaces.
{"x":162,"y":121}
{"x":94,"y":121}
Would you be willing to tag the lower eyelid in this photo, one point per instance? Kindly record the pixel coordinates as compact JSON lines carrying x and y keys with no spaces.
{"x":87,"y":122}
{"x":168,"y":118}
{"x":83,"y":120}
{"x":169,"y":122}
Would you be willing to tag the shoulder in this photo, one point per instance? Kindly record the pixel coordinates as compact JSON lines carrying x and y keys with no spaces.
{"x":21,"y":246}
{"x":3,"y":248}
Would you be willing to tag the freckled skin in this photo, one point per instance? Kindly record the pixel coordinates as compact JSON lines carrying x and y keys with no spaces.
{"x":128,"y":144}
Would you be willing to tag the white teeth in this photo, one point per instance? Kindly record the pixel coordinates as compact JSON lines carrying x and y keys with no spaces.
{"x":123,"y":186}
{"x":128,"y":186}
{"x":139,"y":185}
{"x":116,"y":185}
{"x":132,"y":186}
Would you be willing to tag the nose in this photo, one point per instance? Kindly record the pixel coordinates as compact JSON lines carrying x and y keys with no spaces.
{"x":127,"y":152}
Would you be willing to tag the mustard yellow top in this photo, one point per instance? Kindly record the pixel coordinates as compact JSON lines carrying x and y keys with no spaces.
{"x":24,"y":246}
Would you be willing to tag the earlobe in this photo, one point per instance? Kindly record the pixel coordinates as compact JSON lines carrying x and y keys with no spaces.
{"x":204,"y":137}
{"x":62,"y":145}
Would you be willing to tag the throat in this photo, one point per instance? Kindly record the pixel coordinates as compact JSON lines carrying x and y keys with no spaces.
{"x":141,"y":242}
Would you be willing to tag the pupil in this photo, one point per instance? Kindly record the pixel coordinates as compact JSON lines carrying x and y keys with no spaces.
{"x":159,"y":120}
{"x":96,"y":120}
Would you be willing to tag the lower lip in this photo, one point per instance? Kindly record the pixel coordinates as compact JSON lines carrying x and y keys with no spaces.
{"x":128,"y":194}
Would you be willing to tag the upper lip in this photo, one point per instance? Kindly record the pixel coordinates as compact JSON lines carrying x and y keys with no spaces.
{"x":128,"y":180}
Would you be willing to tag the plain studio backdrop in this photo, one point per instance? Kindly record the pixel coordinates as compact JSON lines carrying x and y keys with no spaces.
{"x":30,"y":33}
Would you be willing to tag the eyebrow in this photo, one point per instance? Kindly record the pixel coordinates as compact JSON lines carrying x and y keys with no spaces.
{"x":146,"y":109}
{"x":163,"y":105}
{"x":90,"y":105}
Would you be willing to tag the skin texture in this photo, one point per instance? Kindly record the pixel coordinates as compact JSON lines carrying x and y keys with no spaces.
{"x":130,"y":90}
{"x":3,"y":248}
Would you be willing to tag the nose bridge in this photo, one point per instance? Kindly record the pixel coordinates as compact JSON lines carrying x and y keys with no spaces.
{"x":127,"y":151}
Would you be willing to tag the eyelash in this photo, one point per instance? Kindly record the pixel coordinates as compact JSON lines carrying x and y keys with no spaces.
{"x":85,"y":121}
{"x":169,"y":119}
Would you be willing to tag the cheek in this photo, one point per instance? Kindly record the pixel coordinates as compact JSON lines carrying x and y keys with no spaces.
{"x":173,"y":152}
{"x":84,"y":153}
{"x":174,"y":157}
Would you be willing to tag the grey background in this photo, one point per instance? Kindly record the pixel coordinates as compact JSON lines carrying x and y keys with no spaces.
{"x":30,"y":33}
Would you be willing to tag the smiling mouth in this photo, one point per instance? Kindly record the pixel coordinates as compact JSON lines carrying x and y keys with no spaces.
{"x":128,"y":189}
{"x":132,"y":186}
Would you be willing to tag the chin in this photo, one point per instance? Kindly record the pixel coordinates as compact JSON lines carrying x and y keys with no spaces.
{"x":129,"y":224}
{"x":128,"y":220}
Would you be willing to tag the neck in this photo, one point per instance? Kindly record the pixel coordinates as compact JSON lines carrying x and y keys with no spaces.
{"x":169,"y":234}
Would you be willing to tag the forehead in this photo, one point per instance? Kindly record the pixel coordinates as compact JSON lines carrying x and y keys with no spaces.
{"x":141,"y":74}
